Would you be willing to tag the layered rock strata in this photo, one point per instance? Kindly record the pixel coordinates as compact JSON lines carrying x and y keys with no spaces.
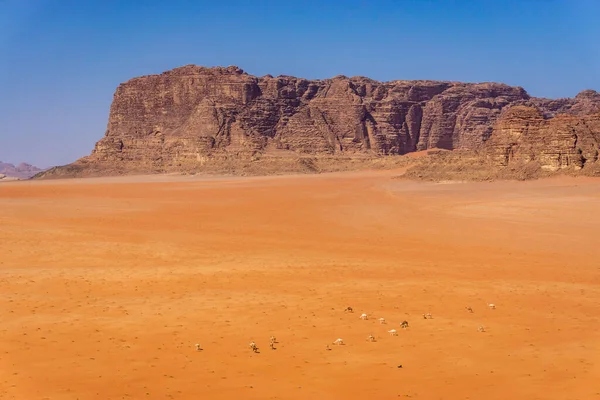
{"x":187,"y":117}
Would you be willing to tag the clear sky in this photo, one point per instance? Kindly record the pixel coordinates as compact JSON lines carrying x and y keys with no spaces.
{"x":60,"y":60}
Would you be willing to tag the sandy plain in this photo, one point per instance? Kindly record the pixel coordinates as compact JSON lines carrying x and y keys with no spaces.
{"x":107,"y":284}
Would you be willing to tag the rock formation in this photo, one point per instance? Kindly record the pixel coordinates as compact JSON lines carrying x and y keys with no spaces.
{"x":20,"y":171}
{"x":191,"y":116}
{"x":523,"y":135}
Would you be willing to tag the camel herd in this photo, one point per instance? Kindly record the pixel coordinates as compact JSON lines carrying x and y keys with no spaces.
{"x":403,"y":324}
{"x":364,"y":317}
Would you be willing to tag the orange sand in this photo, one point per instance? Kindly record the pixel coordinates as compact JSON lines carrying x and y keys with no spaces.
{"x":107,"y":284}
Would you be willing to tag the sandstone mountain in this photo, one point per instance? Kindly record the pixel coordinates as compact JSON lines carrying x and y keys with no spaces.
{"x":192,"y":117}
{"x":20,"y":171}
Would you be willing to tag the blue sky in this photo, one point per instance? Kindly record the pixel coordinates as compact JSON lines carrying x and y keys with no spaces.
{"x":60,"y":60}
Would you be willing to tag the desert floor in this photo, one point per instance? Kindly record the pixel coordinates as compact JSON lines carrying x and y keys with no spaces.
{"x":107,"y":284}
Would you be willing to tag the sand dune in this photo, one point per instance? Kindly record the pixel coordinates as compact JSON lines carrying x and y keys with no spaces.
{"x":107,"y":284}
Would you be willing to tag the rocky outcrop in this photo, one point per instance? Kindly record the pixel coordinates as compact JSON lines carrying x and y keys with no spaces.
{"x":20,"y":171}
{"x":523,"y":135}
{"x":185,"y":118}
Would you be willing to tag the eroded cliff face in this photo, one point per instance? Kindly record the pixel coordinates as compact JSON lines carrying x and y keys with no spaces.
{"x":523,"y":135}
{"x":190,"y":116}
